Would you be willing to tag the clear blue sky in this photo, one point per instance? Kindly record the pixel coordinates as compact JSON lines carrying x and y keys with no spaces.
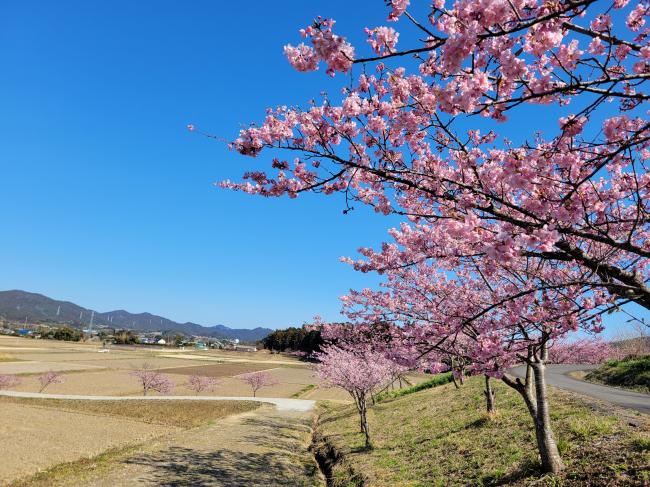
{"x":108,"y":200}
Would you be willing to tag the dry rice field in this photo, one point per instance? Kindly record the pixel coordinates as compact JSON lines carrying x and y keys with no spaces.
{"x":40,"y":434}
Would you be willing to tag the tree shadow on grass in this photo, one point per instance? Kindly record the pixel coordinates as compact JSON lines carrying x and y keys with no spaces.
{"x":177,"y":466}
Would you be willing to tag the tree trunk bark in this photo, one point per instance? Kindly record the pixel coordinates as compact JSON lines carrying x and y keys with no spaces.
{"x":550,"y":455}
{"x":538,"y":408}
{"x":364,"y":422}
{"x":489,"y":396}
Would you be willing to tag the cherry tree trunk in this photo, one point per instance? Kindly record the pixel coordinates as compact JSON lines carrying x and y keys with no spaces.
{"x":550,"y":455}
{"x":534,"y":395}
{"x":363,"y":419}
{"x":489,"y":396}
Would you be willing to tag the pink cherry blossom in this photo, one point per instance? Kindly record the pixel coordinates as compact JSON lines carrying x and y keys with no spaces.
{"x":258,"y":380}
{"x":382,"y":39}
{"x":399,"y":7}
{"x":151,"y":379}
{"x":49,"y":378}
{"x":7,"y":381}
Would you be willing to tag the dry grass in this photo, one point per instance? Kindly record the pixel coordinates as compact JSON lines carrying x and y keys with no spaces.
{"x":77,"y":468}
{"x":5,"y":357}
{"x":217,"y":370}
{"x":36,"y":438}
{"x":443,"y":437}
{"x":185,"y":414}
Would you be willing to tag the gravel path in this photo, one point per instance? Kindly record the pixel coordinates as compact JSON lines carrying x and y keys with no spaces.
{"x":281,"y":404}
{"x":557,"y":375}
{"x":262,"y":448}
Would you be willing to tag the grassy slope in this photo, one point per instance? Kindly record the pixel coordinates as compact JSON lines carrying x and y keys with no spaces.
{"x":632,"y":373}
{"x":443,"y":437}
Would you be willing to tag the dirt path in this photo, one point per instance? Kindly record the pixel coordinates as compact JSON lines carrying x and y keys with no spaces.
{"x":266,"y":447}
{"x":280,"y":402}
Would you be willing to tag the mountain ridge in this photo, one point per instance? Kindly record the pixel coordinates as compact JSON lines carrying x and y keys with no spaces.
{"x":18,"y":305}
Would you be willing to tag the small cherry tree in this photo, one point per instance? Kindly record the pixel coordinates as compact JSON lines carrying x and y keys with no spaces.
{"x":8,"y":380}
{"x":200,"y":383}
{"x":152,"y":380}
{"x":49,"y":378}
{"x":258,"y":380}
{"x":359,"y":372}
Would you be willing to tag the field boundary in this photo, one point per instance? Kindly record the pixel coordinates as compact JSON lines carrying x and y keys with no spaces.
{"x":282,"y":404}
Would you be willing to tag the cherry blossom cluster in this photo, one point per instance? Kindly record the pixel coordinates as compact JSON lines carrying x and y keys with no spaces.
{"x":583,"y":351}
{"x":326,"y":46}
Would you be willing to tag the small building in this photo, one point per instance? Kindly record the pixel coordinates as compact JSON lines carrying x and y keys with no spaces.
{"x":245,"y":348}
{"x":161,"y":342}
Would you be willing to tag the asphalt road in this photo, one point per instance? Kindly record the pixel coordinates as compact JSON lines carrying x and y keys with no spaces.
{"x":556,"y":375}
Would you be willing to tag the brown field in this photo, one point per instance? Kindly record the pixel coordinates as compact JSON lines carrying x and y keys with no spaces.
{"x":217,"y":370}
{"x":34,"y":438}
{"x":184,"y":414}
{"x":29,"y":367}
{"x":38,"y":434}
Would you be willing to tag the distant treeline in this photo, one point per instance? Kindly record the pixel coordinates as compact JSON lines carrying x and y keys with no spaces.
{"x":293,"y":340}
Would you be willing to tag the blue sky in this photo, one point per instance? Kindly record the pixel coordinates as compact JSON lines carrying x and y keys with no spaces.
{"x":108,"y":200}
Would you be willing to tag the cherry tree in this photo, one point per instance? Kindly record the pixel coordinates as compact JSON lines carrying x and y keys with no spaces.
{"x":577,"y":197}
{"x":531,"y":227}
{"x":8,"y":380}
{"x":151,"y":379}
{"x":199,"y":383}
{"x":359,"y":372}
{"x":49,"y":378}
{"x":257,"y":380}
{"x":474,"y":316}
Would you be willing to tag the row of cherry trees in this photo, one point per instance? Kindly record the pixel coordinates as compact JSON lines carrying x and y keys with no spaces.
{"x":151,"y":379}
{"x":7,"y":381}
{"x":511,"y":238}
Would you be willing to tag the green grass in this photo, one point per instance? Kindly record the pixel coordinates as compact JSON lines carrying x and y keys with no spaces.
{"x":303,"y":391}
{"x":630,"y":373}
{"x":443,"y":437}
{"x":435,"y":381}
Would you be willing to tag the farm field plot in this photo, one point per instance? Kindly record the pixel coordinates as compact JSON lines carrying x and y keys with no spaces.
{"x":98,"y":426}
{"x":101,"y":383}
{"x":216,"y":370}
{"x":35,"y":438}
{"x":258,"y":357}
{"x":34,"y":367}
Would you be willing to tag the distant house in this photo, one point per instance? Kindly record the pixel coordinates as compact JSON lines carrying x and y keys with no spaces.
{"x":161,"y":342}
{"x":200,"y":346}
{"x":245,"y":348}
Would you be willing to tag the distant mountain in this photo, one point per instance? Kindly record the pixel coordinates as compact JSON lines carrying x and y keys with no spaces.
{"x":21,"y":305}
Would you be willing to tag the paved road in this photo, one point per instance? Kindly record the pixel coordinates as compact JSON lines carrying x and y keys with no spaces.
{"x":282,"y":404}
{"x":556,"y":375}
